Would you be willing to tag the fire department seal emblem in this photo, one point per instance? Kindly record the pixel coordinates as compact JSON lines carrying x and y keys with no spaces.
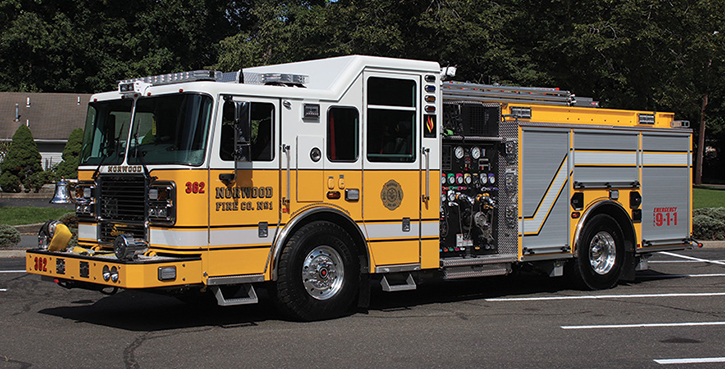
{"x":392,"y":194}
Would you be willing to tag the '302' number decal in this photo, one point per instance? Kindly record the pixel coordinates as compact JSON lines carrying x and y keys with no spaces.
{"x":195,"y":187}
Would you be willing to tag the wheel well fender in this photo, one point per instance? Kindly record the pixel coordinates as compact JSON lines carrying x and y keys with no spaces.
{"x":616,"y":211}
{"x":332,"y":215}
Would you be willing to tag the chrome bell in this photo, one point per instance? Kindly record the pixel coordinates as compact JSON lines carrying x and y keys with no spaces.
{"x":62,"y":193}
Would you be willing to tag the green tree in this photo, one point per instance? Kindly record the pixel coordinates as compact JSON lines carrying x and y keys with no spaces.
{"x":87,"y":45}
{"x":68,"y":168}
{"x":21,"y":162}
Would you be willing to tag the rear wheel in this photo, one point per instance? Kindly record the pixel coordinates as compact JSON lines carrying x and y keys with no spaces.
{"x":600,"y":254}
{"x":318,"y":275}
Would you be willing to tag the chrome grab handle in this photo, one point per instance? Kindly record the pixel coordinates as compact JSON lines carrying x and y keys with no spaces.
{"x":286,"y":200}
{"x":426,"y":152}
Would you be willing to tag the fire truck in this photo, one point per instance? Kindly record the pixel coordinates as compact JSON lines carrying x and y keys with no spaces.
{"x":316,"y":179}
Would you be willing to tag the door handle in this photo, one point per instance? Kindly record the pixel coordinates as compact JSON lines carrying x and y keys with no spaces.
{"x":426,"y":153}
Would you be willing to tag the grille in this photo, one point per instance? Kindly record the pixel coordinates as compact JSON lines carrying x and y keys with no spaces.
{"x":122,"y":206}
{"x":123,"y":198}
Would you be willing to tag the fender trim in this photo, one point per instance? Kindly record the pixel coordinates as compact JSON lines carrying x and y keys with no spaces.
{"x":286,"y":232}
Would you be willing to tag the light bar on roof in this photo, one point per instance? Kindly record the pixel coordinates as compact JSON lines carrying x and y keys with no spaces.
{"x":162,"y":79}
{"x":137,"y":85}
{"x":285,"y":78}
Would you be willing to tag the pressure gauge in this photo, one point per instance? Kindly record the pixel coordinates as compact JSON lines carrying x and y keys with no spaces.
{"x":484,"y":178}
{"x":459,"y":178}
{"x":491,"y":178}
{"x":467,"y":178}
{"x":475,"y":152}
{"x":443,"y":178}
{"x":451,"y":178}
{"x":451,"y":196}
{"x":458,"y":151}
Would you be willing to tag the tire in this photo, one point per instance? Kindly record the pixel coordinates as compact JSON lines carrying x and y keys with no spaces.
{"x":599,"y":254}
{"x":318,"y":275}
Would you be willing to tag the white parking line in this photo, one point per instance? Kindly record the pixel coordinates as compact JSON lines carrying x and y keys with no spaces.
{"x":700,"y":360}
{"x":641,"y":325}
{"x":679,"y":261}
{"x":597,"y":297}
{"x":692,"y":258}
{"x":12,"y":271}
{"x":681,"y":276}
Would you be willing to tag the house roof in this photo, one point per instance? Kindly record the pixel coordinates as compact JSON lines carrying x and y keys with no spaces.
{"x":50,"y":116}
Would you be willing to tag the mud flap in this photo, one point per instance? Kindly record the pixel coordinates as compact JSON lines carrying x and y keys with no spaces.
{"x":629,"y":267}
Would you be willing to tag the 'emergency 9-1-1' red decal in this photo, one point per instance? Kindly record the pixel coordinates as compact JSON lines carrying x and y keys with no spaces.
{"x":665,"y":217}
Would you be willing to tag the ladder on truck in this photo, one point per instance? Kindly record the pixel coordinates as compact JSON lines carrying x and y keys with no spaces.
{"x":465,"y":91}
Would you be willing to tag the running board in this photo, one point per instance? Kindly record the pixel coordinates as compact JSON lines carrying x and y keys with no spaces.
{"x":473,"y":271}
{"x":250,"y":298}
{"x":498,"y":259}
{"x":408,"y":285}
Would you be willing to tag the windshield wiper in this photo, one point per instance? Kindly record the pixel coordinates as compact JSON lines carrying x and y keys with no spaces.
{"x":103,"y":160}
{"x":140,"y":158}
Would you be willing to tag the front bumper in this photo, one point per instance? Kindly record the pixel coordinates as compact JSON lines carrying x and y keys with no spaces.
{"x":105,"y":270}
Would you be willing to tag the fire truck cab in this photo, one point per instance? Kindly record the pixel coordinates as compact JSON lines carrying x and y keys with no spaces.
{"x":311,"y":177}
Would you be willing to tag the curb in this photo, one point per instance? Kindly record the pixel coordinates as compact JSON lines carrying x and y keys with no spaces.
{"x":7,"y":254}
{"x":28,"y":228}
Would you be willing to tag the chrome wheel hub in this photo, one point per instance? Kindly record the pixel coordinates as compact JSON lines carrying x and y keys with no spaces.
{"x":322,"y":272}
{"x":602,"y":252}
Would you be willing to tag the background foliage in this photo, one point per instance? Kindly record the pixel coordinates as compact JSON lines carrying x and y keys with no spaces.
{"x":68,"y":168}
{"x":645,"y":54}
{"x":22,"y":162}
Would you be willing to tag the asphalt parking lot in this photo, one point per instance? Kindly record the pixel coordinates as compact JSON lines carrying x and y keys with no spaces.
{"x":672,"y":316}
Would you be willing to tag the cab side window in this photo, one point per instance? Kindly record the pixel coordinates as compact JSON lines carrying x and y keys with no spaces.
{"x":391,"y":119}
{"x":262,"y":119}
{"x":342,"y":134}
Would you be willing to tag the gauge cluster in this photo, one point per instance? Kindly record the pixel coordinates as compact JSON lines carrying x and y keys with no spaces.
{"x":469,"y":191}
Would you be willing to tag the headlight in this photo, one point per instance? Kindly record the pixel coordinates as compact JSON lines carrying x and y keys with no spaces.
{"x":86,"y":200}
{"x":162,"y":203}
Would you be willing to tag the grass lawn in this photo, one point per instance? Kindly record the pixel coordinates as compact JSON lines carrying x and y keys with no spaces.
{"x":28,"y":215}
{"x":708,"y":198}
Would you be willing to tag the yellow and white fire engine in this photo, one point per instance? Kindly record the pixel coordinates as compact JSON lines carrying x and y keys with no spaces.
{"x":313,"y":178}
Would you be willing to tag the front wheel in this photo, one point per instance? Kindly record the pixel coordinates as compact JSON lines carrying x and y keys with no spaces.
{"x":318,"y":275}
{"x":599,"y":254}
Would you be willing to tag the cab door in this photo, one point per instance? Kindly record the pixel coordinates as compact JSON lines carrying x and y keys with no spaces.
{"x":245,"y":196}
{"x":391,"y":167}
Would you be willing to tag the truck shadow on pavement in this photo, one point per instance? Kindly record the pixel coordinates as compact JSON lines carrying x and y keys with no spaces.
{"x":143,"y":311}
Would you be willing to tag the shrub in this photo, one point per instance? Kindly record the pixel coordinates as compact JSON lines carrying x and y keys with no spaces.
{"x":9,"y":182}
{"x":36,"y":181}
{"x":709,"y":224}
{"x":9,"y":236}
{"x":718,"y":213}
{"x":22,"y":159}
{"x":71,"y":220}
{"x":68,"y":168}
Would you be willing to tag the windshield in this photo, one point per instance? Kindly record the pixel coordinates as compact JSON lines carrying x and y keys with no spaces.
{"x":106,"y":132}
{"x":170,"y":129}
